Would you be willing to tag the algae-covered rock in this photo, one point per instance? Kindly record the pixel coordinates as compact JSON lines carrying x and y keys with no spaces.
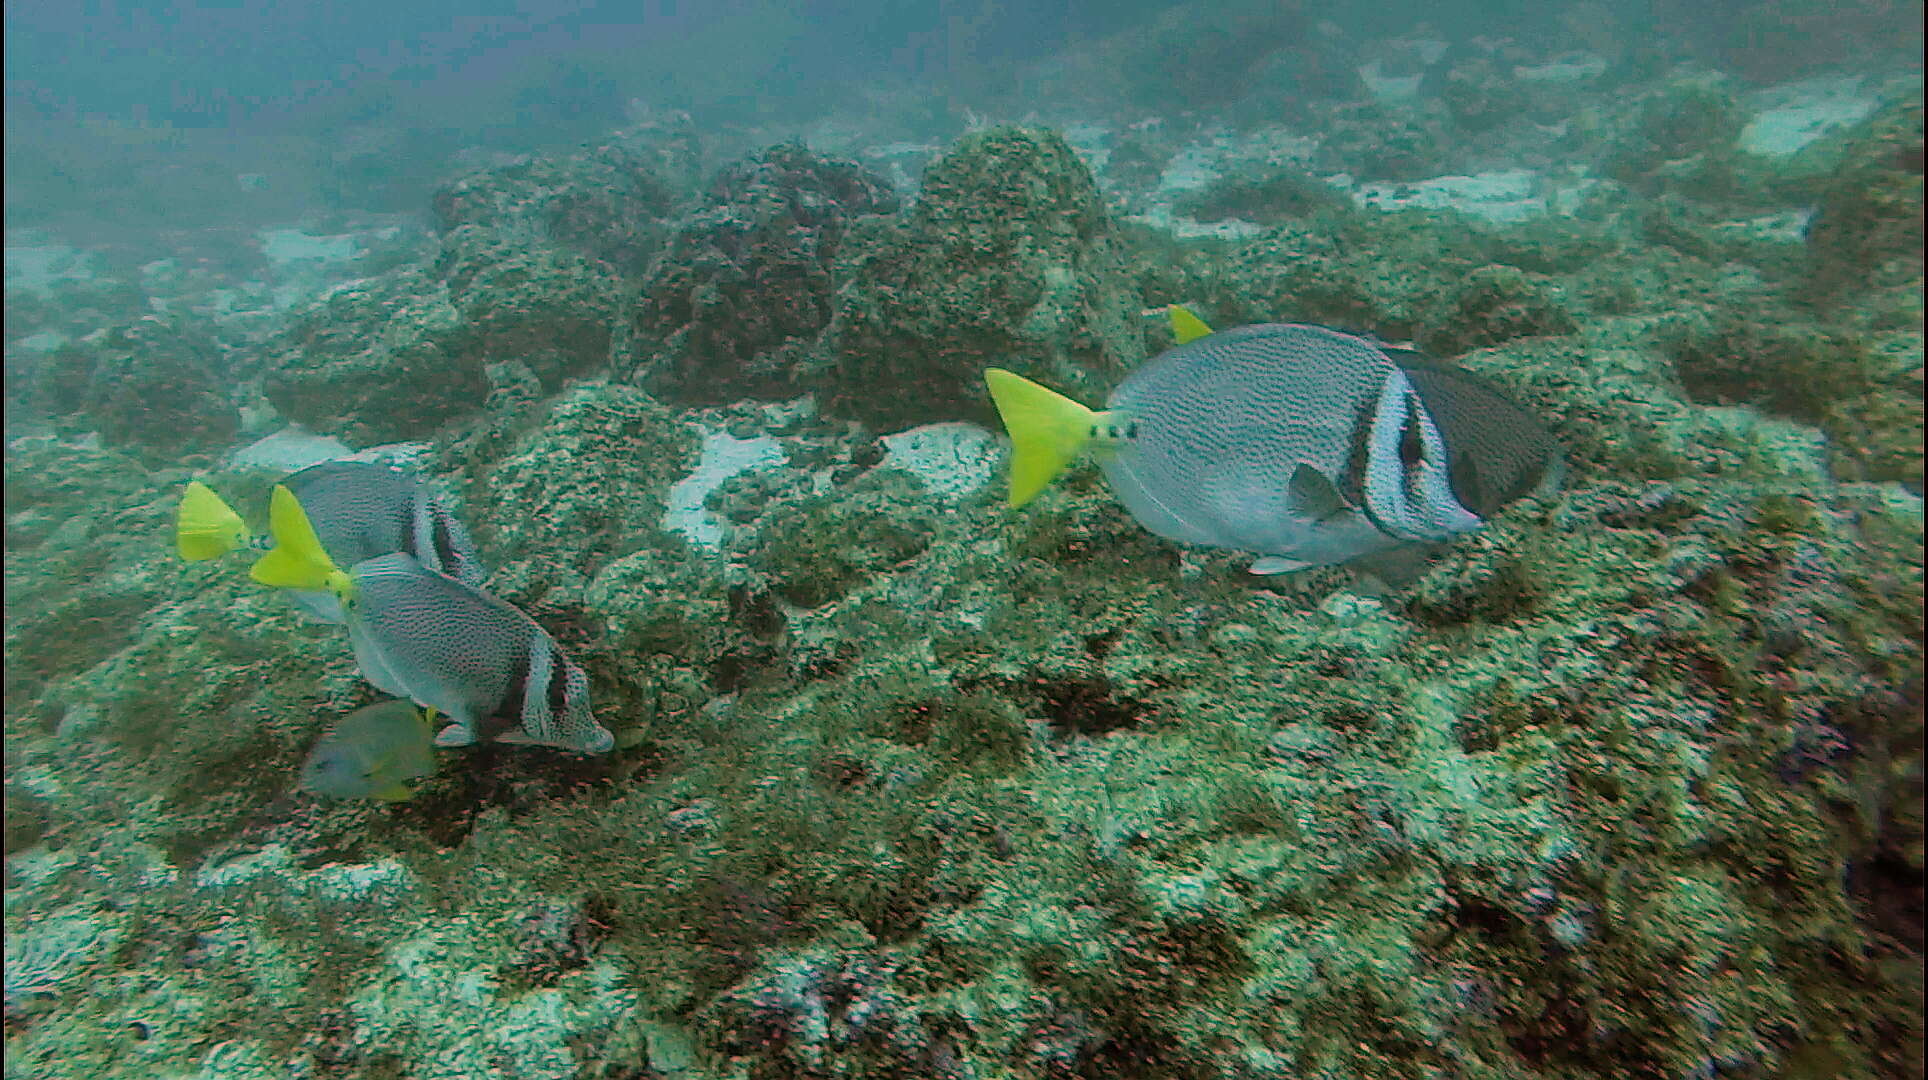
{"x":1868,"y":226}
{"x":154,"y":387}
{"x":1867,"y":398}
{"x":555,"y":489}
{"x":1495,"y":304}
{"x":1388,"y":275}
{"x":1268,"y":199}
{"x":605,"y":202}
{"x":736,"y":304}
{"x":396,"y":356}
{"x":1385,"y":142}
{"x":1007,"y":258}
{"x":1682,"y":136}
{"x":909,"y":783}
{"x":1479,"y":95}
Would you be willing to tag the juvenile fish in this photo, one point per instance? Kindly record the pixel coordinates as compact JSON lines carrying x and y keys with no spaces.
{"x":374,"y":752}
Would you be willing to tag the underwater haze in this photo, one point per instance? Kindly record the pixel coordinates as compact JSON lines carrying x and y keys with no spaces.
{"x":964,"y":540}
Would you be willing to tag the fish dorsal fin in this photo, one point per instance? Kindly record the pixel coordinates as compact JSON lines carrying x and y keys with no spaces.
{"x":1313,"y":495}
{"x":297,"y":560}
{"x":1047,"y":430}
{"x":207,"y":528}
{"x":1185,"y":325}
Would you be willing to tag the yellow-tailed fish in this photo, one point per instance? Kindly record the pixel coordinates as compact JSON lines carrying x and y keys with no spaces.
{"x":1185,"y":325}
{"x":1303,"y":445}
{"x":441,"y":643}
{"x":359,"y":510}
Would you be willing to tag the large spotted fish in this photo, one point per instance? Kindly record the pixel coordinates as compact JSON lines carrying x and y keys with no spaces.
{"x":1302,"y":445}
{"x":441,"y":643}
{"x":359,"y":510}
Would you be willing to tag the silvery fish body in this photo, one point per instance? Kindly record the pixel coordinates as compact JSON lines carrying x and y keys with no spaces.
{"x":451,"y":647}
{"x":362,"y":510}
{"x":1305,"y":445}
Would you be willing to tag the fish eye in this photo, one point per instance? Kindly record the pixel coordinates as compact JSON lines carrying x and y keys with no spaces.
{"x":1131,"y":430}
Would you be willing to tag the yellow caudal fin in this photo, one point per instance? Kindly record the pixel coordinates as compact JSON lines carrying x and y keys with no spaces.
{"x":1185,"y":325}
{"x":1047,"y":430}
{"x":297,"y":560}
{"x":206,"y":527}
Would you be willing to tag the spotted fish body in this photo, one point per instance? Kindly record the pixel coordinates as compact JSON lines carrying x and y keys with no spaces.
{"x":362,"y":510}
{"x":1299,"y":443}
{"x":447,"y":645}
{"x":1306,"y":446}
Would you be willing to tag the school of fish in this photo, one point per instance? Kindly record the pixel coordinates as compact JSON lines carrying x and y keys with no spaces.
{"x":1301,"y":445}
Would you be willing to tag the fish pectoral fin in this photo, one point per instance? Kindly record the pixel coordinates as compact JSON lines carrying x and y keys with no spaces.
{"x":1313,"y":496}
{"x":1185,"y":325}
{"x":1277,"y":564}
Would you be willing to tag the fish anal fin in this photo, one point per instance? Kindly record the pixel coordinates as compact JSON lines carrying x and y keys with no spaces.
{"x":456,"y":734}
{"x":1277,"y":564}
{"x":394,"y":792}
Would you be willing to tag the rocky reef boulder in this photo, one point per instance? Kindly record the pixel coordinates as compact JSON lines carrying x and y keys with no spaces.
{"x":606,"y":202}
{"x":736,"y":305}
{"x":398,"y":355}
{"x":1007,"y":258}
{"x":1682,"y":136}
{"x":1864,"y":391}
{"x":556,"y":487}
{"x":155,"y":387}
{"x":1867,"y":228}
